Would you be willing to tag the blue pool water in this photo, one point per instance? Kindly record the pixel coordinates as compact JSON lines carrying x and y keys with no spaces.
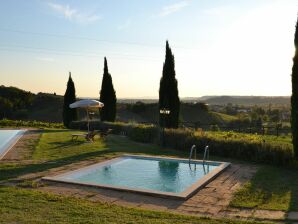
{"x":163,"y":175}
{"x":7,"y":138}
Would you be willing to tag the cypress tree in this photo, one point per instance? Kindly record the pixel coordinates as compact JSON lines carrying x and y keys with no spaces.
{"x":69,"y":114}
{"x":107,"y":96}
{"x":168,"y":92}
{"x":294,"y":98}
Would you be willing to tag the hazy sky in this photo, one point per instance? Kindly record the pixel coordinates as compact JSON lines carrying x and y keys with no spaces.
{"x":221,"y":47}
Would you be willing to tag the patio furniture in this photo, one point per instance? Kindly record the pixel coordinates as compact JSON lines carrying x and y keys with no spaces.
{"x":103,"y":134}
{"x":88,"y":136}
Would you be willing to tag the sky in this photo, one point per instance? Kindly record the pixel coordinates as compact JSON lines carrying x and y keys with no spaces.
{"x":221,"y":47}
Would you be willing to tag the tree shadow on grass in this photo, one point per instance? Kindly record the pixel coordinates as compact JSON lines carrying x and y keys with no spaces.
{"x":114,"y":145}
{"x":57,"y":145}
{"x":272,"y":188}
{"x":11,"y":171}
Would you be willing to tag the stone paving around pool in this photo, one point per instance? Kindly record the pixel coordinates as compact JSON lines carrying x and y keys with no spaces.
{"x":211,"y":201}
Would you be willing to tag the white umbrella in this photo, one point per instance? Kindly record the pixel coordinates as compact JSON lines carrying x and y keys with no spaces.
{"x":87,"y":104}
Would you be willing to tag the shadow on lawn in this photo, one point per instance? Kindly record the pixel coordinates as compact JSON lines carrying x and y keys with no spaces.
{"x":272,"y":188}
{"x":113,"y":146}
{"x":11,"y":171}
{"x":57,"y":145}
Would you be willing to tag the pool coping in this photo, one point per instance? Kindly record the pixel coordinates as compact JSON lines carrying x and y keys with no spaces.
{"x":190,"y":191}
{"x":13,"y":141}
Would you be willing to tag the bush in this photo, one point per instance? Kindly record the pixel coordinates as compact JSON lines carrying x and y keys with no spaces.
{"x":250,"y":147}
{"x":144,"y":133}
{"x":34,"y":124}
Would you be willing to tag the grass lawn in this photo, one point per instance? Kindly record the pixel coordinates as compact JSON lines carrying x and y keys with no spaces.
{"x":31,"y":206}
{"x":55,"y":149}
{"x":272,"y":188}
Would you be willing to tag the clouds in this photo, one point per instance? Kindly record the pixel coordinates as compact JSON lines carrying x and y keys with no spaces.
{"x":169,"y":9}
{"x":73,"y":14}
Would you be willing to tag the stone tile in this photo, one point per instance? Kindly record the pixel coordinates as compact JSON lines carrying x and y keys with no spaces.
{"x":102,"y":198}
{"x":127,"y":204}
{"x":210,"y":200}
{"x":188,"y":209}
{"x":247,"y":213}
{"x":214,"y":210}
{"x":267,"y":214}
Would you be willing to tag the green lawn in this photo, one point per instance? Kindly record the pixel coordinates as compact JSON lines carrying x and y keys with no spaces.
{"x":54,"y":149}
{"x":271,"y":188}
{"x":31,"y":206}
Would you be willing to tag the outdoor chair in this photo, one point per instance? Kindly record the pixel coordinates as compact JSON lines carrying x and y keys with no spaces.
{"x":104,"y":133}
{"x":88,"y":136}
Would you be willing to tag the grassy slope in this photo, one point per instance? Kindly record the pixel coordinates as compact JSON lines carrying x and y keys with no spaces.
{"x":32,"y":206}
{"x":224,"y":117}
{"x":272,"y":188}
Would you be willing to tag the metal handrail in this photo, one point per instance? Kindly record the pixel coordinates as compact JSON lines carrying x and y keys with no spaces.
{"x":206,"y":154}
{"x":192,"y":150}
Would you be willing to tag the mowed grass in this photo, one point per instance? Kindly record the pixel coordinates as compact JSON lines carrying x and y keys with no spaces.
{"x":57,"y":145}
{"x":31,"y":206}
{"x":272,"y":188}
{"x":55,"y":149}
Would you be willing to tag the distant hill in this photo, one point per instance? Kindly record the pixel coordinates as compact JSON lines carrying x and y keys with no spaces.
{"x":19,"y":104}
{"x":189,"y":112}
{"x":223,"y":100}
{"x":249,"y":100}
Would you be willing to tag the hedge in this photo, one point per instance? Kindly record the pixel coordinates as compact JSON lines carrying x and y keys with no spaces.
{"x":249,"y":147}
{"x":34,"y":124}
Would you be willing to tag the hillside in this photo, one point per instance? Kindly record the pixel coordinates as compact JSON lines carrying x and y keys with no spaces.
{"x":19,"y":104}
{"x":189,"y":112}
{"x":224,"y":100}
{"x":248,"y":100}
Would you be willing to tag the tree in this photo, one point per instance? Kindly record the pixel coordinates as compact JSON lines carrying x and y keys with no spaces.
{"x":294,"y":98}
{"x":168,"y":92}
{"x":107,"y":96}
{"x":69,"y":114}
{"x":5,"y":108}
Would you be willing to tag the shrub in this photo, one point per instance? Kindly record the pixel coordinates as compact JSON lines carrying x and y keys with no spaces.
{"x":144,"y":133}
{"x":34,"y":124}
{"x":250,"y":147}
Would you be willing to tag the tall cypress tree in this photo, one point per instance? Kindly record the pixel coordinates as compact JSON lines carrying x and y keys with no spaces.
{"x":69,"y":114}
{"x":107,"y":96}
{"x":294,"y":98}
{"x":168,"y":92}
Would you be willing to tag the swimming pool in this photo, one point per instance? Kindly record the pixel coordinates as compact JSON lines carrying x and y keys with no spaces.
{"x":145,"y":174}
{"x":7,"y":140}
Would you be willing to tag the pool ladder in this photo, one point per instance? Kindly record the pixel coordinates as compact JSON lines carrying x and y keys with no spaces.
{"x":193,"y":150}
